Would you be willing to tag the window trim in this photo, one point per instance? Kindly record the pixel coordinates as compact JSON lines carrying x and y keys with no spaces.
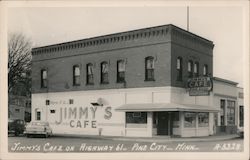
{"x":44,"y":81}
{"x":196,"y":64}
{"x":190,"y":73}
{"x":152,"y":70}
{"x":102,"y":74}
{"x":205,"y":67}
{"x":118,"y":77}
{"x":179,"y":69}
{"x":76,"y":76}
{"x":87,"y":75}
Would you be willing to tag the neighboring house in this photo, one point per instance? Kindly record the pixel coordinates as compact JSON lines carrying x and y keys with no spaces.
{"x":16,"y":107}
{"x":145,"y":82}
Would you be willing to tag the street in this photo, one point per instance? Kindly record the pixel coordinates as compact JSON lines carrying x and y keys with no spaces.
{"x":73,"y":144}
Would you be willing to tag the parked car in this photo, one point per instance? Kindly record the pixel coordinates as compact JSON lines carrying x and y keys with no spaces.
{"x":240,"y":132}
{"x":38,"y":128}
{"x":16,"y":126}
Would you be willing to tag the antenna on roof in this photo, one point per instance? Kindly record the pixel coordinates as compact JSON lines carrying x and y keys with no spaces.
{"x":187,"y":18}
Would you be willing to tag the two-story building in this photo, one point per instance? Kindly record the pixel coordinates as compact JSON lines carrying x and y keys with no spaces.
{"x":145,"y":82}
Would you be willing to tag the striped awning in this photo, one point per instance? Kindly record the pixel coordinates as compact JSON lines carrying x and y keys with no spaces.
{"x":144,"y":107}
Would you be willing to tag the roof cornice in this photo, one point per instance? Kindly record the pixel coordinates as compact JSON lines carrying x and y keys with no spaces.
{"x":115,"y":38}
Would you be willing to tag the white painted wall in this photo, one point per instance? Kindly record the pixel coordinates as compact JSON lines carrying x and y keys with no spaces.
{"x":115,"y":98}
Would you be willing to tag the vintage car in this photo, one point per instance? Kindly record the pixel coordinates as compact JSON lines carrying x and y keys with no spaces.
{"x":16,"y":126}
{"x":38,"y":128}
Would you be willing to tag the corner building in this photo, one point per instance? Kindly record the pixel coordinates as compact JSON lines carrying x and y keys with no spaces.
{"x":129,"y":84}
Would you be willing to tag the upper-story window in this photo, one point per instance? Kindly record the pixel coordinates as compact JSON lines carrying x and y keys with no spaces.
{"x":90,"y":74}
{"x":76,"y":75}
{"x":149,"y":68}
{"x":179,"y":68}
{"x":44,"y":81}
{"x":205,"y":70}
{"x":104,"y":72}
{"x":196,"y":69}
{"x":190,"y":68}
{"x":120,"y":71}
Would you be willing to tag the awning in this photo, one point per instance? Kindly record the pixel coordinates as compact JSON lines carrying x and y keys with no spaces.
{"x":144,"y":107}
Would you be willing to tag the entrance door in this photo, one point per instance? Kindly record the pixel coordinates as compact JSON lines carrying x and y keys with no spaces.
{"x":163,"y":123}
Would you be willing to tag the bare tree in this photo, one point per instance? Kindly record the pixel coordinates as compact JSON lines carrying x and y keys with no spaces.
{"x":19,"y":62}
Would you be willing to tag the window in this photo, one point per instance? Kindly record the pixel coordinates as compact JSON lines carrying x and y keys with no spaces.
{"x":52,"y":111}
{"x":104,"y":72}
{"x":241,"y":95}
{"x":222,"y":112}
{"x":203,"y":119}
{"x":120,"y":71}
{"x":71,"y":101}
{"x":44,"y":83}
{"x":38,"y":115}
{"x":190,"y":120}
{"x":179,"y":68}
{"x":90,"y":74}
{"x":136,"y":117}
{"x":190,"y":69}
{"x":205,"y":70}
{"x":47,"y":102}
{"x":230,"y":112}
{"x":76,"y":75}
{"x":241,"y":116}
{"x":149,"y":69}
{"x":196,"y":69}
{"x":17,"y":110}
{"x":176,"y":119}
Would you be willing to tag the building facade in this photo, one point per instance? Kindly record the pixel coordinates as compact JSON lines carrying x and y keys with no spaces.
{"x":19,"y":107}
{"x":134,"y":83}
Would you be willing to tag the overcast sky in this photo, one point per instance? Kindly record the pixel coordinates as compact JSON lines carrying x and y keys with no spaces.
{"x":222,"y":25}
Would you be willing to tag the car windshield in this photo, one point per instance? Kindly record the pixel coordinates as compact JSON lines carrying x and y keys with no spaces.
{"x":38,"y":123}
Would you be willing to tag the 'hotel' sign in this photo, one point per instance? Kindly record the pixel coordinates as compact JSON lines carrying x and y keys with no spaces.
{"x":199,"y":86}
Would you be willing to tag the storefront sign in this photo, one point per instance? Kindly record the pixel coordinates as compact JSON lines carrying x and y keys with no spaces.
{"x":81,"y":117}
{"x":199,"y":86}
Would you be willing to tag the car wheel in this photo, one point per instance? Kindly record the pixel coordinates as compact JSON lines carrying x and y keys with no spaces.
{"x":46,"y":135}
{"x":27,"y":135}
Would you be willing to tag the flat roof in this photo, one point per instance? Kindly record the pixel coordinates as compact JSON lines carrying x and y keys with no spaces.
{"x":224,"y":80}
{"x":123,"y":33}
{"x":139,"y":107}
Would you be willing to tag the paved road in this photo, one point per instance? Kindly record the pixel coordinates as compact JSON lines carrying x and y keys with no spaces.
{"x":72,"y":144}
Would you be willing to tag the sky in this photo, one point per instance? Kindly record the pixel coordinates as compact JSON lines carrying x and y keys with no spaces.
{"x":220,"y":24}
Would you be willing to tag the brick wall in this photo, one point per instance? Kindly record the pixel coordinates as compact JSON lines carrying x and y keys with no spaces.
{"x":159,"y":43}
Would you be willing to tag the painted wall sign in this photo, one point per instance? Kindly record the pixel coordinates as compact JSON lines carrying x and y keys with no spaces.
{"x":200,"y":86}
{"x":81,"y":117}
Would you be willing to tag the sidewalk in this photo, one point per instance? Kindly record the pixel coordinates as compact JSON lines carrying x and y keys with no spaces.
{"x":181,"y":139}
{"x":160,"y":139}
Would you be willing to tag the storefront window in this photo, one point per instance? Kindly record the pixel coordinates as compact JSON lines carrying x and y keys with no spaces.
{"x":176,"y":122}
{"x":222,"y":112}
{"x":231,"y":112}
{"x":203,"y":119}
{"x":241,"y":115}
{"x":190,"y":119}
{"x":136,"y":117}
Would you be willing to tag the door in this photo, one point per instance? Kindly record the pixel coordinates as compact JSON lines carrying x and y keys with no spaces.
{"x":163,"y":124}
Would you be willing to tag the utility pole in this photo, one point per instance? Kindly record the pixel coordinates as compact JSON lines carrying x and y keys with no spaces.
{"x":187,"y":18}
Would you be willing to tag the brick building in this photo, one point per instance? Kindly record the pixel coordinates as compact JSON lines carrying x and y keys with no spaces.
{"x":127,"y":84}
